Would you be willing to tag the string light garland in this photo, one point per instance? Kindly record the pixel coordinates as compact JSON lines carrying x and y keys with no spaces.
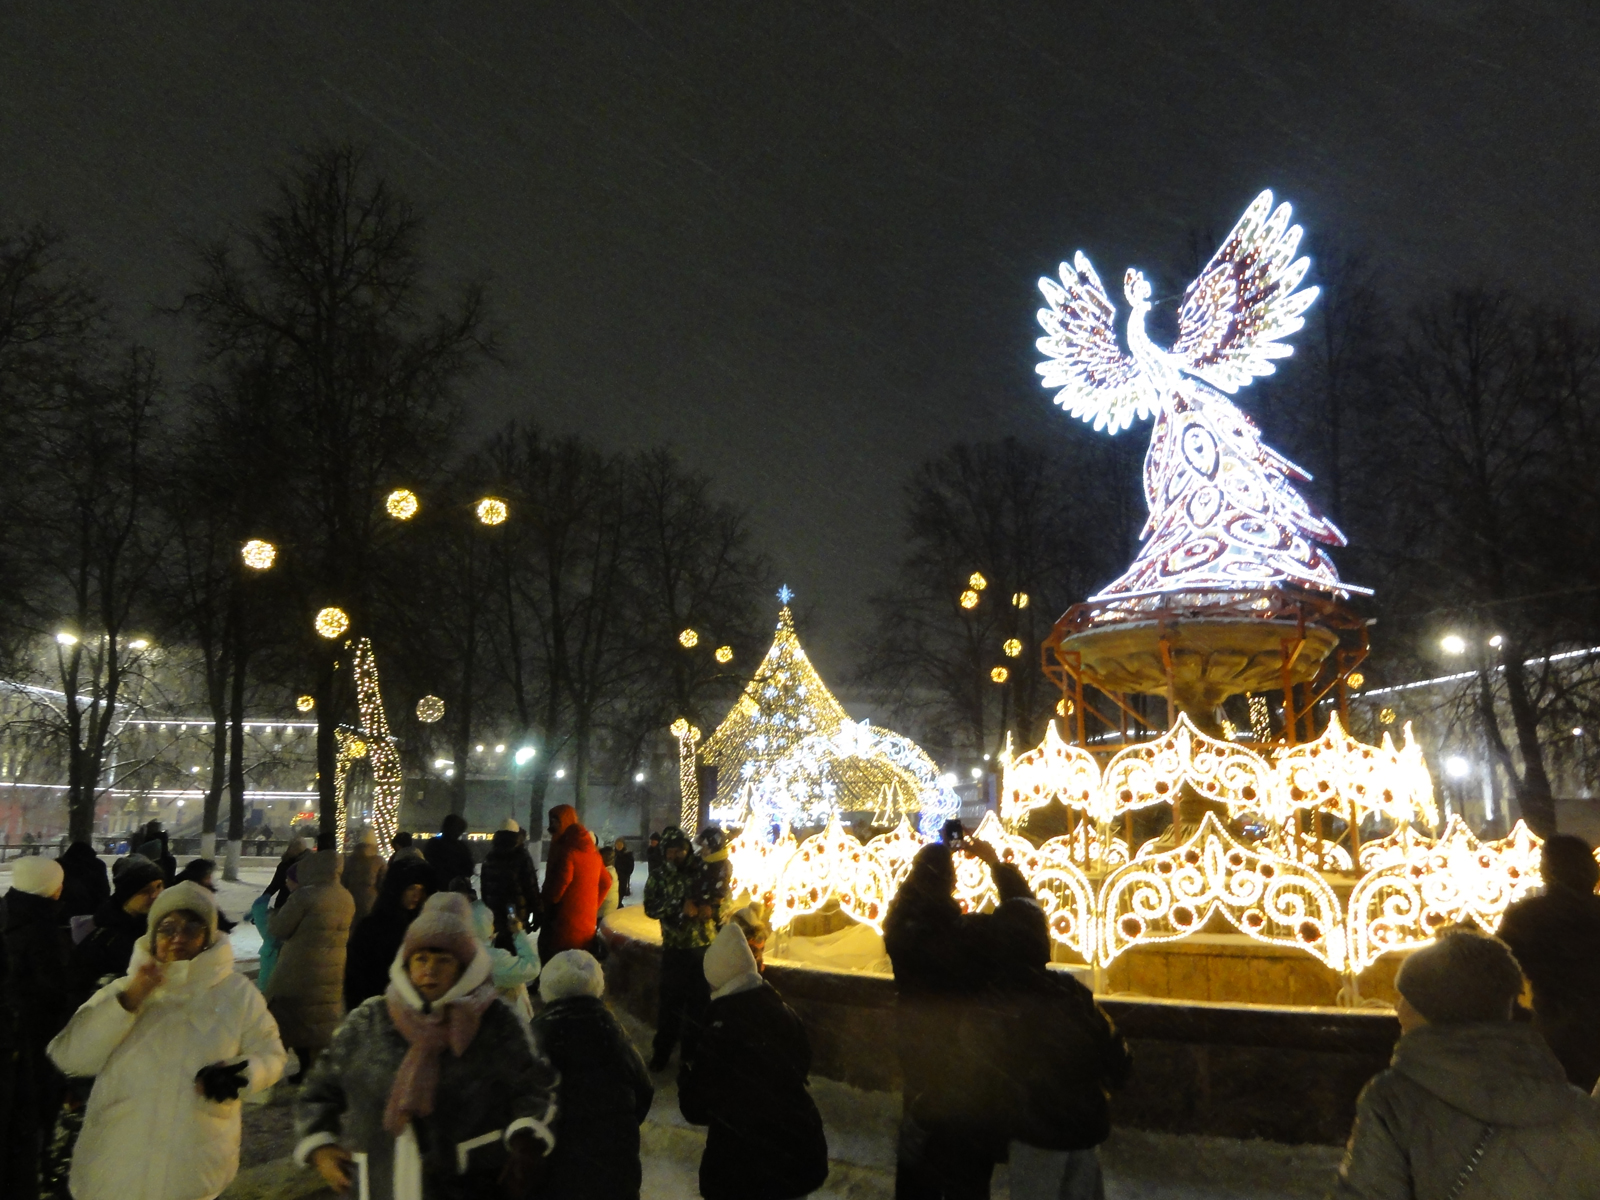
{"x":372,"y":740}
{"x":331,"y":622}
{"x":492,"y":510}
{"x":688,"y":639}
{"x":402,"y":504}
{"x":1260,"y":719}
{"x":430,"y":709}
{"x":1224,"y":510}
{"x":723,"y":654}
{"x":258,"y":555}
{"x":688,"y":777}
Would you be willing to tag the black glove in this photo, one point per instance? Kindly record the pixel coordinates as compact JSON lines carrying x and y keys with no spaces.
{"x":223,"y":1081}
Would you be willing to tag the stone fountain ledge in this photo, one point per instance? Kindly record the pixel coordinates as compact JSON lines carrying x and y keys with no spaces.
{"x":1231,"y":1070}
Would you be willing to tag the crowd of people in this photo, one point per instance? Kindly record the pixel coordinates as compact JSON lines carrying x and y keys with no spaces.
{"x":450,"y":1035}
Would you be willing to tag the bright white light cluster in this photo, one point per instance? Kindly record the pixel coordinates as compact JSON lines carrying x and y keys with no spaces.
{"x":1336,"y":774}
{"x":787,"y":753}
{"x":1165,"y":895}
{"x":1224,"y":511}
{"x":807,"y":785}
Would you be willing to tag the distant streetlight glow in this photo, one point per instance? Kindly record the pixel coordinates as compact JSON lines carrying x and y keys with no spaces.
{"x":1457,"y":767}
{"x":1453,"y":643}
{"x":139,"y":644}
{"x":638,"y":777}
{"x":1497,"y":641}
{"x":525,"y":755}
{"x":66,"y":639}
{"x":561,"y":772}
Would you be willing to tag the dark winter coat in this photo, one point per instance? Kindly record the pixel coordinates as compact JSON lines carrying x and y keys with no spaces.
{"x":104,"y":953}
{"x":624,"y":865}
{"x":1050,"y":1085}
{"x":943,"y":960}
{"x":510,"y":880}
{"x":654,"y":856}
{"x":86,"y":885}
{"x":575,"y":881}
{"x":376,"y":939}
{"x":33,"y":1009}
{"x":450,"y":858}
{"x":712,"y":880}
{"x":604,"y":1096}
{"x":747,"y":1082}
{"x":305,"y":991}
{"x":499,"y":1080}
{"x":1556,"y":938}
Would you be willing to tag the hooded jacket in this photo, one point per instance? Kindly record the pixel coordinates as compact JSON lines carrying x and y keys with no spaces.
{"x":605,"y":1090}
{"x":147,"y":1134}
{"x":86,"y":886}
{"x":575,"y":881}
{"x":498,"y":1085}
{"x":363,"y":876}
{"x":1452,"y":1088}
{"x":1556,"y":939}
{"x":376,"y":940}
{"x":304,"y":992}
{"x":510,"y":972}
{"x":747,"y":1082}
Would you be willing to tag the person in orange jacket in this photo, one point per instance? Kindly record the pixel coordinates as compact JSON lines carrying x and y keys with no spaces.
{"x":575,"y":881}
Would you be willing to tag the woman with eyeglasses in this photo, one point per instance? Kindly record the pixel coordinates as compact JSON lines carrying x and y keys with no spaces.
{"x":172,"y":1046}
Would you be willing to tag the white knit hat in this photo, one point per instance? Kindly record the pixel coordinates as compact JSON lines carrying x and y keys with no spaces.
{"x":37,"y":875}
{"x":510,"y":823}
{"x":571,"y":973}
{"x":187,"y":896}
{"x":730,"y":967}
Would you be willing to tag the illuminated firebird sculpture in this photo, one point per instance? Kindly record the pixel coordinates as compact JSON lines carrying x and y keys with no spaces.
{"x":1224,"y":513}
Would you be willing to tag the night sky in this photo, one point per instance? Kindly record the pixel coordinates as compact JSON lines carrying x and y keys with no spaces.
{"x":799,"y":241}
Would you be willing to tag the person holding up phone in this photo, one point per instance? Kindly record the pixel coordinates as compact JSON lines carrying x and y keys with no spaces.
{"x":172,"y":1046}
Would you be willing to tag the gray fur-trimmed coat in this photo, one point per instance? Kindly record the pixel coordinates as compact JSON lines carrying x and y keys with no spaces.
{"x":501,"y":1079}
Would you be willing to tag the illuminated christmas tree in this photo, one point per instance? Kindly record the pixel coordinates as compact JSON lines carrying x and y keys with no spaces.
{"x":783,"y":704}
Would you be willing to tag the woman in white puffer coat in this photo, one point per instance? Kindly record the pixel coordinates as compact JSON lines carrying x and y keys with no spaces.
{"x":172,"y":1045}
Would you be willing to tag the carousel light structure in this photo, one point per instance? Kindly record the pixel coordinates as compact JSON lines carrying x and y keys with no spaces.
{"x":1283,"y":827}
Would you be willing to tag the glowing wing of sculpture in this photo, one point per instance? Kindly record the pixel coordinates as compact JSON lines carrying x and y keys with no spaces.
{"x":1224,"y":510}
{"x":1098,"y":381}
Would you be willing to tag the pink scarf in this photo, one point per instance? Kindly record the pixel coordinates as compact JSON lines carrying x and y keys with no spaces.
{"x":454,"y":1025}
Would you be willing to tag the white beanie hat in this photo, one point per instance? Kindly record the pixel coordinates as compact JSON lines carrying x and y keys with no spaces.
{"x":510,"y":823}
{"x":571,"y":973}
{"x":37,"y":875}
{"x":187,"y":896}
{"x":730,"y":967}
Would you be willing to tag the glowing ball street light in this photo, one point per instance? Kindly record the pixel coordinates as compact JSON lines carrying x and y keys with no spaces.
{"x":969,"y":599}
{"x":402,"y":504}
{"x":331,"y":622}
{"x":305,"y":703}
{"x":688,"y":639}
{"x":724,"y":654}
{"x":1000,"y":674}
{"x":258,"y":555}
{"x":430,"y":709}
{"x":1012,"y":647}
{"x":492,"y":511}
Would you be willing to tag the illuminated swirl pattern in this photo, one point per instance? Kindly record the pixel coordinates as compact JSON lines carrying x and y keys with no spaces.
{"x":1169,"y":896}
{"x":1154,"y":773}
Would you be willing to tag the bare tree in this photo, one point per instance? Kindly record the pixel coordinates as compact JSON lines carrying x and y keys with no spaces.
{"x":1002,"y":537}
{"x":322,"y":301}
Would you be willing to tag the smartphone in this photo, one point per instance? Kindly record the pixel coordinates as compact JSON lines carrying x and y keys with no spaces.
{"x":952,"y":833}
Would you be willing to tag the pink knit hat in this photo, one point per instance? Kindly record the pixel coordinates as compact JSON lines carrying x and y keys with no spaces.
{"x":445,"y":923}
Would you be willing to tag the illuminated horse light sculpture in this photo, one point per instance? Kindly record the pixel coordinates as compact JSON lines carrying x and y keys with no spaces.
{"x":1224,"y":512}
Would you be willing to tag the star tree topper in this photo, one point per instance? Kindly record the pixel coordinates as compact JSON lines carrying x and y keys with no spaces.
{"x":1224,"y":512}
